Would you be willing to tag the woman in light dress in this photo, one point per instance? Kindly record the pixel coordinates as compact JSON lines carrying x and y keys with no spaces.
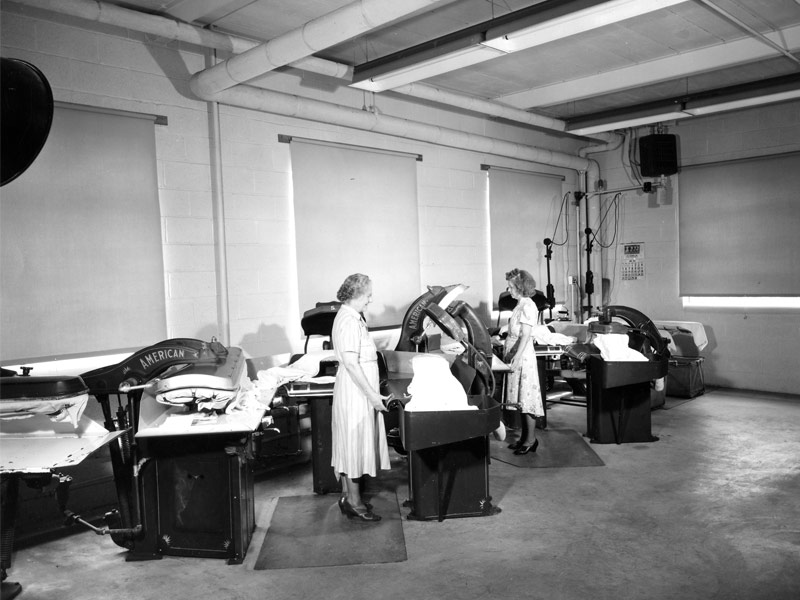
{"x":523,"y":387}
{"x":359,"y":436}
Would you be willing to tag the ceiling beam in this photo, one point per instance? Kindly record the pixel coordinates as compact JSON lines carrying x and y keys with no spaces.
{"x":664,"y":69}
{"x":519,"y":30}
{"x":206,"y":12}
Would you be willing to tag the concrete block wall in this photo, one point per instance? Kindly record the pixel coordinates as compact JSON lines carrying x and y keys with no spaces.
{"x":104,"y":66}
{"x":748,"y":349}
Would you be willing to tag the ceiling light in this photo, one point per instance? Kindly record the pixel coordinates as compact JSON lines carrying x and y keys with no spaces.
{"x":570,"y":24}
{"x":428,"y":68}
{"x":744,"y":95}
{"x":707,"y":108}
{"x":624,"y":123}
{"x":525,"y":28}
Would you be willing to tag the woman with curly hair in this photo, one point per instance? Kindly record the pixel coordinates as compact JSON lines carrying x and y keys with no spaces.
{"x":359,"y":436}
{"x":523,"y":387}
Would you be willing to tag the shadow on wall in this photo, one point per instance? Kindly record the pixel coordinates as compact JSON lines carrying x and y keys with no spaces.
{"x":263,"y":347}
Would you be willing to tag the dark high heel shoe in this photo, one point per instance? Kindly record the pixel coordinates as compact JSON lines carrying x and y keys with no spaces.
{"x":342,"y":500}
{"x":525,"y":449}
{"x":365,"y":515}
{"x":515,"y":445}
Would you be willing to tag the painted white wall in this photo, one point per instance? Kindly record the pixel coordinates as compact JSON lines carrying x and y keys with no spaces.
{"x":748,"y":349}
{"x":105,"y":66}
{"x":98,"y":65}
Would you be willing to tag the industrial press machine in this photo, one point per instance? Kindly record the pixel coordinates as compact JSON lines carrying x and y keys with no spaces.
{"x":183,"y":467}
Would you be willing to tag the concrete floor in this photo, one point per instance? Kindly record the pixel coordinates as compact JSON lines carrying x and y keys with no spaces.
{"x":710,"y":511}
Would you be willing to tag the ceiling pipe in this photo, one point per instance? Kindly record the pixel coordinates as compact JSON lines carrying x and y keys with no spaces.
{"x":171,"y":29}
{"x":289,"y":105}
{"x":323,"y":32}
{"x":434,"y":94}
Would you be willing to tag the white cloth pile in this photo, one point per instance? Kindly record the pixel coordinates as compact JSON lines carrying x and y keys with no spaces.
{"x":58,"y":409}
{"x":543,"y":335}
{"x":614,"y":347}
{"x":305,"y":368}
{"x":434,"y":387}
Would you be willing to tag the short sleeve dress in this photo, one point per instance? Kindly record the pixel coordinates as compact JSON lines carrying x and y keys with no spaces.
{"x":359,"y":436}
{"x":522,"y":385}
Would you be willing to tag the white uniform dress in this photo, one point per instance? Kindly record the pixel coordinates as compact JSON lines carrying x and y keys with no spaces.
{"x":359,"y":436}
{"x":522,"y":385}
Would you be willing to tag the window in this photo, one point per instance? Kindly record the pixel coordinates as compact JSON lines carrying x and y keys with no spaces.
{"x":738,"y":228}
{"x":356,"y":212}
{"x":523,"y":210}
{"x":82,"y":267}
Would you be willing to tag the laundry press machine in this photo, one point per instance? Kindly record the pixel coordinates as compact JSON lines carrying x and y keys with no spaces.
{"x":448,"y":451}
{"x":183,"y":465}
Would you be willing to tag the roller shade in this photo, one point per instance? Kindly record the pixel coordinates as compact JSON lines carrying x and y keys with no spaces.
{"x":356,"y":212}
{"x":523,"y":208}
{"x":739,"y":228}
{"x":82,"y":267}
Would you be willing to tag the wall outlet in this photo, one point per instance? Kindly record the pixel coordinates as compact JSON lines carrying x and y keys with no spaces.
{"x":571,"y":280}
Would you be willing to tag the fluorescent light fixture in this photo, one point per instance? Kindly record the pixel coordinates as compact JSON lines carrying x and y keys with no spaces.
{"x":721,"y":106}
{"x":630,"y":122}
{"x":522,"y":29}
{"x":754,"y":93}
{"x":573,"y":23}
{"x":428,"y":68}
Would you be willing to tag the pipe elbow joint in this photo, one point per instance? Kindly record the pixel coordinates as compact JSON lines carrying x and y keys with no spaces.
{"x":199,"y":87}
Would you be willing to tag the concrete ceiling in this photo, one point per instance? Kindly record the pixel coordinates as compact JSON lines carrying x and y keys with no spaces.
{"x":687,"y":49}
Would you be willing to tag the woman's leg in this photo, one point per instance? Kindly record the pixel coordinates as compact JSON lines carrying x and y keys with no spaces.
{"x":351,"y":504}
{"x":351,"y":490}
{"x":530,"y":442}
{"x":529,"y":429}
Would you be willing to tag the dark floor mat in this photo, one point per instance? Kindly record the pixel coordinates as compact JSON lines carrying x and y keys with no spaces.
{"x":310,"y":531}
{"x":557,"y":448}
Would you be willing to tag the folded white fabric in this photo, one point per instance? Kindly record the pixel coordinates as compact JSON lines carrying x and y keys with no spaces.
{"x":58,"y":409}
{"x":543,"y":335}
{"x":434,"y":387}
{"x":614,"y":348}
{"x":309,"y":363}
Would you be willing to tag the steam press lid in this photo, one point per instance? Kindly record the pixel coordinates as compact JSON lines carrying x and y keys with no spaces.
{"x":31,"y":388}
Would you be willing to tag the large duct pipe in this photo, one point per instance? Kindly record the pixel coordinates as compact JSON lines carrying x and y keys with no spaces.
{"x":171,"y":29}
{"x":325,"y":112}
{"x":320,"y":33}
{"x":431,"y":93}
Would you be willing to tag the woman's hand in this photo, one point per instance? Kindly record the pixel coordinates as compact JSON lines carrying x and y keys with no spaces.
{"x":509,"y":356}
{"x":378,"y":402}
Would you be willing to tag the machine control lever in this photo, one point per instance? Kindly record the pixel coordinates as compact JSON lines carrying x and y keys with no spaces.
{"x":130,"y":384}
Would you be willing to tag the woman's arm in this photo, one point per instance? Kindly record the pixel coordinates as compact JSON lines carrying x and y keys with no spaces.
{"x":353,"y":367}
{"x":522,"y":343}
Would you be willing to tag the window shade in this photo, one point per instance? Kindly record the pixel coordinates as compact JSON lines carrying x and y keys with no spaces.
{"x":738,"y":228}
{"x":523,"y":207}
{"x":82,"y":268}
{"x":356,"y":212}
